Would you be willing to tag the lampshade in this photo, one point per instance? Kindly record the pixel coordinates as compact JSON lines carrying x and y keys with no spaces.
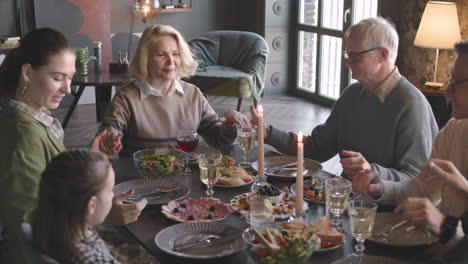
{"x":439,"y":28}
{"x":145,"y":9}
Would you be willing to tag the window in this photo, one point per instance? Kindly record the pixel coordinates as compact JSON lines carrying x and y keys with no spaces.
{"x":321,"y":72}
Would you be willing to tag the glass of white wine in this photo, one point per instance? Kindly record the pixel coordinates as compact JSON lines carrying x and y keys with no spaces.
{"x":336,"y":199}
{"x":261,"y":210}
{"x":246,"y":139}
{"x":361,"y":215}
{"x":209,"y":164}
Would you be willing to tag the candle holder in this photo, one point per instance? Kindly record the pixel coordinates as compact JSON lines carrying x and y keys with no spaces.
{"x":259,"y":182}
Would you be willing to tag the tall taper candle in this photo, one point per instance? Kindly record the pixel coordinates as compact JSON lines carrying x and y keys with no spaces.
{"x":261,"y":153}
{"x":299,"y":176}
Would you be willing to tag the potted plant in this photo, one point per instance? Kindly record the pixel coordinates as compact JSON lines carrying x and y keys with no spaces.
{"x":82,"y":59}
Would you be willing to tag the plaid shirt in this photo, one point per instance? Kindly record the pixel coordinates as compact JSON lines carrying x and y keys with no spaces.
{"x":42,"y":116}
{"x":92,"y":250}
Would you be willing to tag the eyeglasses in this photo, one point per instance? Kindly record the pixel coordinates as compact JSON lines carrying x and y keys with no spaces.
{"x":451,"y":83}
{"x":354,"y":56}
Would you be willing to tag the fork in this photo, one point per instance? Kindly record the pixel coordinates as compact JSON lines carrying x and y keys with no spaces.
{"x":384,"y":234}
{"x":408,"y":230}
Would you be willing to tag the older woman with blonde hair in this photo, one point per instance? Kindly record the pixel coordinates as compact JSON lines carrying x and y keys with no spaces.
{"x":153,"y":107}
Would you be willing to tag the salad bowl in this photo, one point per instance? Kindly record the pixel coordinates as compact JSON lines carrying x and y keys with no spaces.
{"x":158,"y":162}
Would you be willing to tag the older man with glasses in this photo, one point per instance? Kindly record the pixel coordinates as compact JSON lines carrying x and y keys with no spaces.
{"x":382,"y":123}
{"x":437,"y":198}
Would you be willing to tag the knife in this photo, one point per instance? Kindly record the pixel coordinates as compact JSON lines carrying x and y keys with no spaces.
{"x":153,"y":192}
{"x":204,"y":242}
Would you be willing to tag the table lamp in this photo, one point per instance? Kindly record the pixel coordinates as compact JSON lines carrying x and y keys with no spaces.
{"x":439,"y":29}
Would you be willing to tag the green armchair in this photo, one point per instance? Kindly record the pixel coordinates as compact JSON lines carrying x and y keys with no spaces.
{"x":231,"y":63}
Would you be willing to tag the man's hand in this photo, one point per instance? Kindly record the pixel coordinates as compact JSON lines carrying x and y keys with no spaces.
{"x":254,"y":122}
{"x":437,"y":170}
{"x":107,"y":143}
{"x":420,"y":211}
{"x":235,"y":117}
{"x":353,"y":163}
{"x":368,"y":183}
{"x":122,"y":214}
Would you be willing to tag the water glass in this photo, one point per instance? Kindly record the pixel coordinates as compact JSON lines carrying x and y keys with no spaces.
{"x":336,"y":199}
{"x":246,"y":139}
{"x":209,"y":164}
{"x":261,"y":210}
{"x":361,"y":215}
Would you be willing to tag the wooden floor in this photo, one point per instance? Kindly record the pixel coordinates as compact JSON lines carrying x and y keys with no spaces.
{"x":285,"y":112}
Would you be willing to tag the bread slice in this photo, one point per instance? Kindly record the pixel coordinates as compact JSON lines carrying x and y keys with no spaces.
{"x":229,"y":181}
{"x":326,"y":232}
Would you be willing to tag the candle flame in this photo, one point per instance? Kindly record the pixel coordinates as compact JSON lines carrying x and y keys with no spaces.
{"x":299,"y":137}
{"x":260,"y":108}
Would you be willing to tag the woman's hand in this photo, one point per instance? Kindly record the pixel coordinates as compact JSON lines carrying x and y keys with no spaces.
{"x":107,"y":142}
{"x":436,"y":170}
{"x":254,"y":122}
{"x":122,"y":214}
{"x":235,"y":117}
{"x":420,"y":211}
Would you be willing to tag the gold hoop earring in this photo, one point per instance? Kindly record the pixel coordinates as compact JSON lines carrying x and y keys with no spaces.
{"x":25,"y":87}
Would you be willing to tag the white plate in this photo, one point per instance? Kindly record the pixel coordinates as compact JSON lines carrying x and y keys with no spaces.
{"x":237,"y":186}
{"x":367,"y":259}
{"x":202,"y":206}
{"x":311,"y":165}
{"x":245,"y":213}
{"x":191,"y":232}
{"x":323,"y":250}
{"x":417,"y":237}
{"x":146,"y":185}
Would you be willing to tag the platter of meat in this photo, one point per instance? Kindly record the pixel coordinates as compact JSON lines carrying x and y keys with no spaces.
{"x":197,"y":210}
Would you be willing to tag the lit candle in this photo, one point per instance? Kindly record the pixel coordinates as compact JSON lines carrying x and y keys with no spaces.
{"x":299,"y":176}
{"x":261,"y":153}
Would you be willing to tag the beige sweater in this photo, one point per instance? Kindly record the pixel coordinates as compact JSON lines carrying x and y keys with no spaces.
{"x":149,"y":121}
{"x":450,"y":144}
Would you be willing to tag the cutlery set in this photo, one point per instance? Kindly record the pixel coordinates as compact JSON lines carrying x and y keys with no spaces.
{"x":390,"y":233}
{"x":208,"y":240}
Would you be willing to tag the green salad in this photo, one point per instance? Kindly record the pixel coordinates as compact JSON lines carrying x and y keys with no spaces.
{"x":294,"y":246}
{"x":156,"y":165}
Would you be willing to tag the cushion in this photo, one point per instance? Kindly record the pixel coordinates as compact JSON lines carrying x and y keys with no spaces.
{"x":205,"y":51}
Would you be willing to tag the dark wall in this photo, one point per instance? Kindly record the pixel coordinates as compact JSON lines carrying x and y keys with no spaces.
{"x":206,"y":15}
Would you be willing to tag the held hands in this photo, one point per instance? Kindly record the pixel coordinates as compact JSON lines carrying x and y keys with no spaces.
{"x":420,"y":211}
{"x":107,"y":143}
{"x":254,"y":122}
{"x":443,"y":170}
{"x":368,"y":183}
{"x":353,"y":163}
{"x":122,"y":214}
{"x":235,"y":117}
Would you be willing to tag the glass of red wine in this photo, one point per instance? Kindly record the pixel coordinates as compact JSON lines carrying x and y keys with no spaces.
{"x":188,"y":142}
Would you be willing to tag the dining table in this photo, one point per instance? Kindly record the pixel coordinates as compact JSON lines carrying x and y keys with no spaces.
{"x":152,"y":221}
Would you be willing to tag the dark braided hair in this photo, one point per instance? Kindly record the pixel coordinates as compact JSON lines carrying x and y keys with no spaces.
{"x":35,"y":48}
{"x":68,"y":183}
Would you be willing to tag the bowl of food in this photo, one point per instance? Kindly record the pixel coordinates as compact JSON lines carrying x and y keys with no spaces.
{"x":158,"y":163}
{"x":271,"y":192}
{"x":280,"y":242}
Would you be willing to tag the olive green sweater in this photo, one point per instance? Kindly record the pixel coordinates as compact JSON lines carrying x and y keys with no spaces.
{"x":26,"y":146}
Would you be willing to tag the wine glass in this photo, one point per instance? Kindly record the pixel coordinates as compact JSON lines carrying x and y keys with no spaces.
{"x":188,"y":142}
{"x":246,"y":139}
{"x":361,"y":215}
{"x":209,"y":164}
{"x":336,"y":199}
{"x":261,"y":210}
